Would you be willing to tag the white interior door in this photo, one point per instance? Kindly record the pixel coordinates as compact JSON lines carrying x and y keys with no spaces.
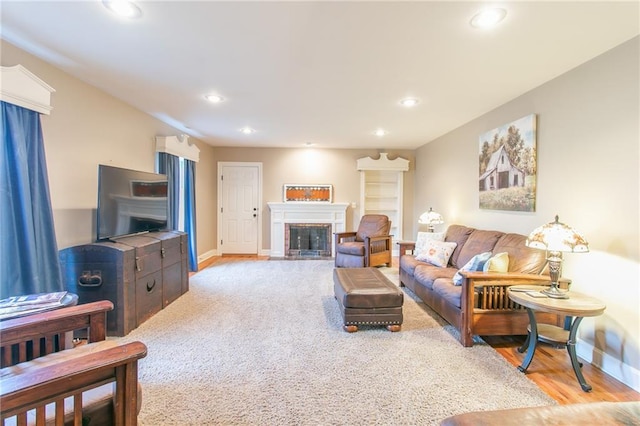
{"x":239,"y":203}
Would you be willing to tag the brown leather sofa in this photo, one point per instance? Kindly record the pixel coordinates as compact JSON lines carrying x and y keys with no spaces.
{"x":480,"y":305}
{"x":594,"y":413}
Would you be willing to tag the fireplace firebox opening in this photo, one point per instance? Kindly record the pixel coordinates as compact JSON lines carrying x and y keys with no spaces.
{"x":307,"y":240}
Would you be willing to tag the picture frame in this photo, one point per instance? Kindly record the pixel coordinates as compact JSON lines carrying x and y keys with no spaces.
{"x":302,"y":193}
{"x":507,"y":166}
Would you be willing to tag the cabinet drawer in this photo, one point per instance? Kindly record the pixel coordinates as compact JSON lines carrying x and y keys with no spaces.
{"x":148,"y":296}
{"x":171,"y":252}
{"x":147,"y":263}
{"x":171,"y":283}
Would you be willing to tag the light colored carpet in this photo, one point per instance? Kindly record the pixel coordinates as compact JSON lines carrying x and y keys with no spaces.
{"x":261,"y":343}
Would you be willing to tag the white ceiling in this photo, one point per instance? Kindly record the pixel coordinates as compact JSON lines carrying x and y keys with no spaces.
{"x":325,"y":72}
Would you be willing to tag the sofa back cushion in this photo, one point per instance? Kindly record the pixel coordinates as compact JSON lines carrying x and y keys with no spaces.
{"x":479,"y":241}
{"x":521,"y":258}
{"x":457,"y":234}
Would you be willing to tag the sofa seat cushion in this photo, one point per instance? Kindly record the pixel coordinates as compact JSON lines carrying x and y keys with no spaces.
{"x":353,"y":248}
{"x":478,"y":242}
{"x":451,"y":293}
{"x":459,"y":235}
{"x":408,"y":263}
{"x":426,"y":274}
{"x":522,"y":259}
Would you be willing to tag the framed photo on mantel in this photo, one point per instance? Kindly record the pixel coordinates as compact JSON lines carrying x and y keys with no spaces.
{"x":307,"y":193}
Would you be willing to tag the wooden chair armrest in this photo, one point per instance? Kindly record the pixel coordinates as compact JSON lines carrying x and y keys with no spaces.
{"x":379,"y":238}
{"x":89,"y":315}
{"x":344,"y":234}
{"x":42,"y":385}
{"x":339,"y":236}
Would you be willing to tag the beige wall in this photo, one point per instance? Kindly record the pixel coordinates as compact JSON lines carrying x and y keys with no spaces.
{"x":88,"y":127}
{"x":588,"y":152}
{"x":336,"y":167}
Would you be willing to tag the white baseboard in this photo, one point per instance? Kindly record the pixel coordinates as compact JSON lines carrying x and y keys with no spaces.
{"x":207,"y":255}
{"x":617,"y":369}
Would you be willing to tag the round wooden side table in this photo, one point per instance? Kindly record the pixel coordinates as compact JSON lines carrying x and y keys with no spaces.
{"x":577,"y":306}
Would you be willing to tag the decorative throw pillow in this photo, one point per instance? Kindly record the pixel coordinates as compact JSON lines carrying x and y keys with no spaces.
{"x":422,"y":239}
{"x":476,"y":263}
{"x":437,"y":252}
{"x":498,"y":263}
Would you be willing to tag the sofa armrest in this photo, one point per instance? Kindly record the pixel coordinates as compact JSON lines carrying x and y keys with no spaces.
{"x":406,"y":246}
{"x":51,"y":382}
{"x":487,"y":292}
{"x":507,"y":279}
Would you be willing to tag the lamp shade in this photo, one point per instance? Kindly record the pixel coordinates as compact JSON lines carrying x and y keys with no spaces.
{"x":430,"y":218}
{"x":556,"y":236}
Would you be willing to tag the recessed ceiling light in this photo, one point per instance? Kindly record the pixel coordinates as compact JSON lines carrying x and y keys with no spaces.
{"x":123,"y":8}
{"x":309,"y":144}
{"x":488,"y":18}
{"x":215,"y":99}
{"x":247,"y":130}
{"x":380,"y":132}
{"x":409,"y":102}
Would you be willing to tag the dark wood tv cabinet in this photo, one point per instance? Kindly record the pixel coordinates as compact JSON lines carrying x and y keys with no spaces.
{"x":140,"y":274}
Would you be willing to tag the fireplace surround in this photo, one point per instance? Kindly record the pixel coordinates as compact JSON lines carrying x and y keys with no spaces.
{"x":312,"y":215}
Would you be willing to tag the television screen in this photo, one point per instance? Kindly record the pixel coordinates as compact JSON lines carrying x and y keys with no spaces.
{"x":130,"y":202}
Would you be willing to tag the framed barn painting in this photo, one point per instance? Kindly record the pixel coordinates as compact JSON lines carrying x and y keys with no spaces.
{"x":507,"y":160}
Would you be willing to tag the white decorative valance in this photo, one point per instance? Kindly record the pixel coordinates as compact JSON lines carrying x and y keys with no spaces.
{"x":19,"y":86}
{"x":178,"y":146}
{"x":383,"y":163}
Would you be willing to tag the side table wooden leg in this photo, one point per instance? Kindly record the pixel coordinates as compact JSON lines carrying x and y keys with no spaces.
{"x":533,"y":341}
{"x":571,"y":348}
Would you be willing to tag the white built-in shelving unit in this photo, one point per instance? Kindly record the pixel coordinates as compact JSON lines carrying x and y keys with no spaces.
{"x":381,"y":184}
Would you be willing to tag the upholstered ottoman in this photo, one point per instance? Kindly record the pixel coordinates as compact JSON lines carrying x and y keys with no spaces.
{"x":366,"y":296}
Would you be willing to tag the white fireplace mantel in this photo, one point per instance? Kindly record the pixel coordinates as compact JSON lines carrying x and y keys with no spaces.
{"x":303,"y":212}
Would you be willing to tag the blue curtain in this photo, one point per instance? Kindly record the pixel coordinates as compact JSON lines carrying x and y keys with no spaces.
{"x":28,"y":249}
{"x":170,"y":165}
{"x":190,"y":212}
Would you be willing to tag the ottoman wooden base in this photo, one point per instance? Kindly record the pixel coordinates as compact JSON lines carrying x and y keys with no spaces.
{"x":366,"y":296}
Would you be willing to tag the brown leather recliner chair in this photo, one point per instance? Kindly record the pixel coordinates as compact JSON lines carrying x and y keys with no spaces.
{"x":369,"y":246}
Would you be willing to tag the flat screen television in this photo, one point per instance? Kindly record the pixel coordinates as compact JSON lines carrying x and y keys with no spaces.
{"x":130,"y":202}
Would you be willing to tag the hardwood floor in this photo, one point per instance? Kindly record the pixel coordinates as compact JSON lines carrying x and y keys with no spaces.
{"x":550,"y":369}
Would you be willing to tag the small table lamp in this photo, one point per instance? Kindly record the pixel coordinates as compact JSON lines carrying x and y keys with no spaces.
{"x":430,"y":219}
{"x":555,"y":238}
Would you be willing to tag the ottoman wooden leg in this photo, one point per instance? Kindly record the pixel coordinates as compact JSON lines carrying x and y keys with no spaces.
{"x":393,"y":327}
{"x":350,"y":328}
